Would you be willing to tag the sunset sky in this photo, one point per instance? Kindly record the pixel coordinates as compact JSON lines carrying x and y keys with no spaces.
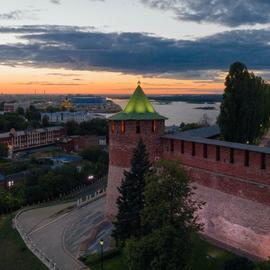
{"x":106,"y":46}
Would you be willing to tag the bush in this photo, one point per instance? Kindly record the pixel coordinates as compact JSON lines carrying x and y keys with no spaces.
{"x":95,"y":258}
{"x":239,"y":263}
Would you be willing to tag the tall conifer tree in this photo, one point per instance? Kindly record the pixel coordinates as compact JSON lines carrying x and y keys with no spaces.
{"x":131,"y":199}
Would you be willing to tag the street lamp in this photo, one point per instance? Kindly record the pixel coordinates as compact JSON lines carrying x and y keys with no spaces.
{"x":90,"y":178}
{"x":101,"y":242}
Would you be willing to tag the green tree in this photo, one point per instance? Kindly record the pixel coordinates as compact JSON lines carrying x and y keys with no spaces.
{"x":20,"y":111}
{"x":45,"y":121}
{"x":244,"y":114}
{"x":239,"y":264}
{"x":12,"y":120}
{"x":263,"y":265}
{"x":72,"y":128}
{"x":99,"y":161}
{"x":3,"y":150}
{"x":131,"y":199}
{"x":169,"y":220}
{"x":32,"y":114}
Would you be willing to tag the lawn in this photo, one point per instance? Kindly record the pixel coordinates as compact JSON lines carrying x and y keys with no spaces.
{"x":14,"y":254}
{"x":205,"y":257}
{"x":116,"y":263}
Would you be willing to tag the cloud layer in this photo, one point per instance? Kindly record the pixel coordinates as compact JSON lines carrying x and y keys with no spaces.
{"x":226,"y":12}
{"x":137,"y":53}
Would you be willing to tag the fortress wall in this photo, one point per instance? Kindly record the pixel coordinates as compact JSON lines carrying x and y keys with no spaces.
{"x":252,"y":172}
{"x":115,"y":178}
{"x":237,"y":210}
{"x":235,"y":186}
{"x":239,"y":223}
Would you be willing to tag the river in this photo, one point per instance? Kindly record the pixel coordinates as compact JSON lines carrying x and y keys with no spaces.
{"x":178,"y":111}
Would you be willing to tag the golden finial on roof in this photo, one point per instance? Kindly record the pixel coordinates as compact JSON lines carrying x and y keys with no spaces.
{"x":139,"y":82}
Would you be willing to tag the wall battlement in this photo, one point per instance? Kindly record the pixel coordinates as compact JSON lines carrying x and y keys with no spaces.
{"x":240,"y":172}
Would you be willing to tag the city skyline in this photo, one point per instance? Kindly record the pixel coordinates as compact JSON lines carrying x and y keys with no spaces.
{"x":105,"y":47}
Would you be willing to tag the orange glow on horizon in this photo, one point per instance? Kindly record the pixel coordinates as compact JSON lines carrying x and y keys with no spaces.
{"x":27,"y":80}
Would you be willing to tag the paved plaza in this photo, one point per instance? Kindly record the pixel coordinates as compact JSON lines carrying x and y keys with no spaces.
{"x":59,"y":230}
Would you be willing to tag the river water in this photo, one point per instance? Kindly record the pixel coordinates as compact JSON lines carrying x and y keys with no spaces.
{"x":178,"y":111}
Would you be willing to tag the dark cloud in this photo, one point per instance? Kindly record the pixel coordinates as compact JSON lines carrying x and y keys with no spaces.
{"x":60,"y":74}
{"x":52,"y":84}
{"x":57,"y":2}
{"x":13,"y":15}
{"x":226,"y":12}
{"x":138,"y":53}
{"x":31,"y":29}
{"x":19,"y":15}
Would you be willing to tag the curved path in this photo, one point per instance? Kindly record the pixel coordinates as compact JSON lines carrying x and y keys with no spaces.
{"x":58,"y":230}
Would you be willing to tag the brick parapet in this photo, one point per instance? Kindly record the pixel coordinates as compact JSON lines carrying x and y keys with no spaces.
{"x":241,"y":166}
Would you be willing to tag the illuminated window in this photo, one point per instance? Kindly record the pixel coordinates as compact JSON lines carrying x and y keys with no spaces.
{"x":154,"y":126}
{"x":123,"y":126}
{"x":138,"y":127}
{"x":113,"y":126}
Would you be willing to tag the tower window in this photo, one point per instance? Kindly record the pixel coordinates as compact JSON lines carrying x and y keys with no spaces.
{"x":154,"y":125}
{"x":112,"y":126}
{"x":138,"y":127}
{"x":182,"y":147}
{"x":246,"y":158}
{"x":193,"y":149}
{"x":123,"y":126}
{"x":217,"y":153}
{"x":263,"y":161}
{"x":205,"y":152}
{"x":232,"y":155}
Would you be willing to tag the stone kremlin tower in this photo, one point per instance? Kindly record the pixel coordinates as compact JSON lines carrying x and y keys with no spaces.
{"x":138,"y":120}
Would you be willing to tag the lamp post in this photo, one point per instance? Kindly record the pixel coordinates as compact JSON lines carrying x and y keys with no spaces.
{"x":101,"y":242}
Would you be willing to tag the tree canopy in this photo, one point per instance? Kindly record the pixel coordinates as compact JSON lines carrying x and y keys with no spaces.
{"x":245,"y":109}
{"x":168,"y":219}
{"x":94,"y":126}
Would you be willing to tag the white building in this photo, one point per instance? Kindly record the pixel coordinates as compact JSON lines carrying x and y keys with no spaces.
{"x":65,"y":116}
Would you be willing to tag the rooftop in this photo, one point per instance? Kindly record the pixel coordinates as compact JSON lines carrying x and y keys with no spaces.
{"x":204,"y":132}
{"x":138,"y":108}
{"x":31,"y":130}
{"x":203,"y":135}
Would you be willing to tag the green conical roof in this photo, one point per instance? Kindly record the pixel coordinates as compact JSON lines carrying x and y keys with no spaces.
{"x":138,"y":108}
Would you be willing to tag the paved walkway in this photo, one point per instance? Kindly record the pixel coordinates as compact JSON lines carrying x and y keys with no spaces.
{"x":59,"y":230}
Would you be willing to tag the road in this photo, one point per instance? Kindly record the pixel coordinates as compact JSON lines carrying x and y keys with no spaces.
{"x":58,"y":230}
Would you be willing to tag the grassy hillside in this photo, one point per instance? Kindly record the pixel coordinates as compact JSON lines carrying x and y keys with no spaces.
{"x":13,"y":252}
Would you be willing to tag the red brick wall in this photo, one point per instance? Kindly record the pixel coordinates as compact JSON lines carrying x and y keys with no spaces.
{"x":122,"y":145}
{"x":250,"y":182}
